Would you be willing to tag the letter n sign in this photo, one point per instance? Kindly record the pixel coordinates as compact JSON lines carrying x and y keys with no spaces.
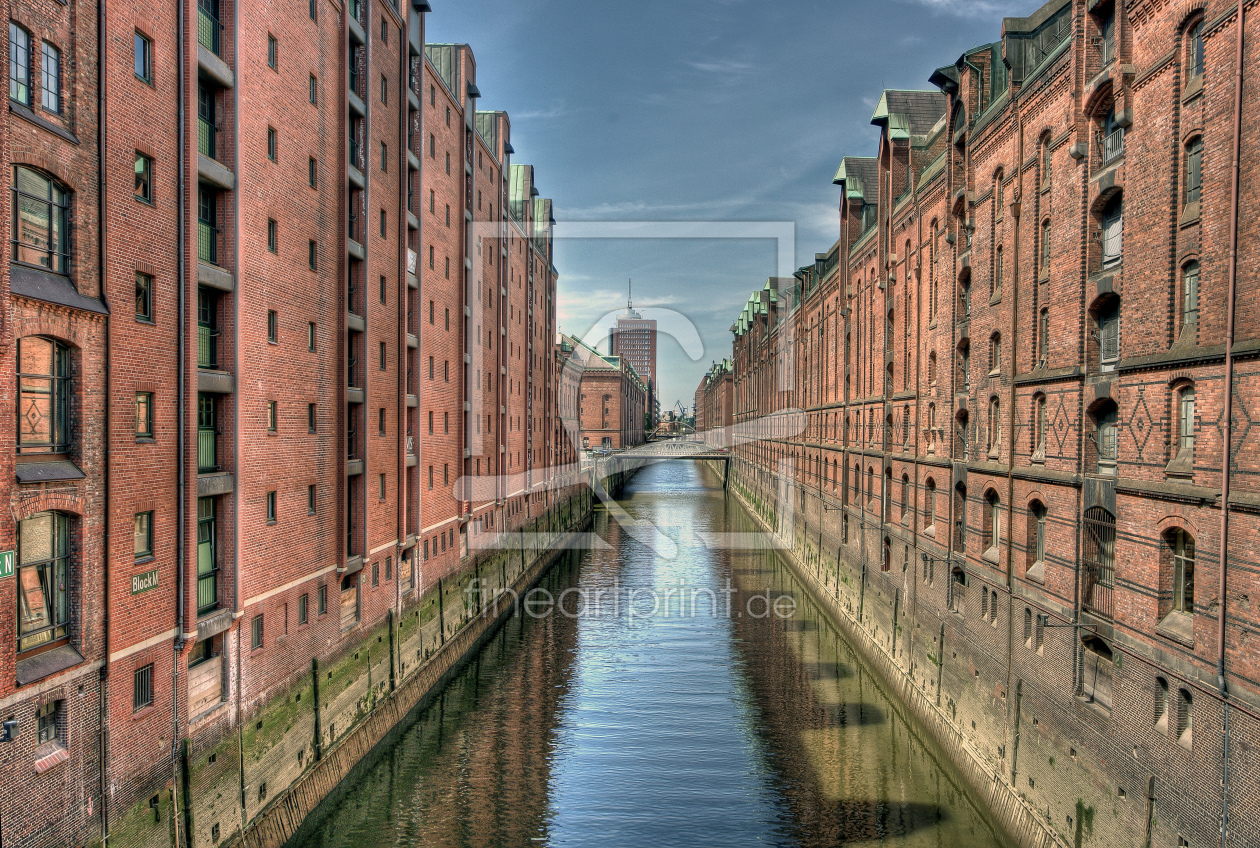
{"x":6,"y":563}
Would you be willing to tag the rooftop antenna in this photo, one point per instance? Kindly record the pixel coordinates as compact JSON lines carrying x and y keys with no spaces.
{"x":629,"y":293}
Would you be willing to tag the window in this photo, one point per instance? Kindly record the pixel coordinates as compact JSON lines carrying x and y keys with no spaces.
{"x":271,"y":60}
{"x":1196,"y":51}
{"x":995,"y":353}
{"x":310,"y":336}
{"x":311,"y":10}
{"x":144,"y":178}
{"x":256,"y":633}
{"x":382,"y":353}
{"x":271,"y":143}
{"x":143,"y":58}
{"x":1043,"y":337}
{"x":382,"y":289}
{"x":1113,"y":232}
{"x":432,"y":146}
{"x":1185,"y":718}
{"x":1039,"y":428}
{"x":46,"y":721}
{"x":996,"y":287}
{"x":1182,"y":544}
{"x":380,"y":490}
{"x":44,"y":389}
{"x":995,"y":425}
{"x":448,"y":162}
{"x":1045,"y":248}
{"x":384,"y":156}
{"x":1185,"y":424}
{"x":994,"y":520}
{"x":323,"y":600}
{"x":1109,"y":333}
{"x":144,"y":297}
{"x":1161,"y":703}
{"x":311,"y":254}
{"x":310,"y":499}
{"x":142,"y":688}
{"x":271,"y":507}
{"x":51,"y":78}
{"x":958,"y":591}
{"x":1107,"y":424}
{"x":39,"y":220}
{"x":1190,"y":294}
{"x":1096,"y":671}
{"x":384,"y":89}
{"x":272,"y":235}
{"x":144,"y":415}
{"x":143,"y":533}
{"x":302,"y":610}
{"x":930,"y":499}
{"x":273,"y":333}
{"x":1098,"y":561}
{"x":1045,"y":163}
{"x":43,"y":579}
{"x":380,"y":422}
{"x":271,"y":416}
{"x":383,"y":227}
{"x":312,"y":172}
{"x":19,"y":64}
{"x":1037,"y":530}
{"x":314,"y":98}
{"x":1111,"y":138}
{"x":1194,"y":170}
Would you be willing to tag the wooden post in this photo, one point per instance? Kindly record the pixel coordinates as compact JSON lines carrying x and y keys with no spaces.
{"x":441,"y":613}
{"x":319,"y":724}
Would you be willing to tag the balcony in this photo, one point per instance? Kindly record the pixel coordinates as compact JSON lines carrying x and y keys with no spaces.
{"x":207,"y":589}
{"x":207,"y":137}
{"x":207,"y":242}
{"x":209,"y":29}
{"x":207,"y":347}
{"x":207,"y":450}
{"x":1112,"y":146}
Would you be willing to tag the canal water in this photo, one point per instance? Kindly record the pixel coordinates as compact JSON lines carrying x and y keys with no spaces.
{"x":679,"y":694}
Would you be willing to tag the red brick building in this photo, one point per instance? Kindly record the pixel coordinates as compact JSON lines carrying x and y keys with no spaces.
{"x":715,"y":404}
{"x":281,"y":330}
{"x":1018,"y":471}
{"x":633,"y":338}
{"x":612,"y":400}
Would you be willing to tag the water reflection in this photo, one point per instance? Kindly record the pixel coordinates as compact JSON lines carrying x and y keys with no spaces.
{"x":681,"y":728}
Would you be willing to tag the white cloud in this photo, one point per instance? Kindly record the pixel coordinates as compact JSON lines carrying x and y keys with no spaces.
{"x":976,"y":8}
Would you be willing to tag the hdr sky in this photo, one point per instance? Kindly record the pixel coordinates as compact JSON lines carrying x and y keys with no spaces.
{"x":697,"y":110}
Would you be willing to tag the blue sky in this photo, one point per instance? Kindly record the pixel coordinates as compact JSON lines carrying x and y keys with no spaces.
{"x":697,"y":110}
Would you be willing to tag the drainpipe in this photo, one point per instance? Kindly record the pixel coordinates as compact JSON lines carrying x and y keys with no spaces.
{"x":103,"y":263}
{"x":181,"y":403}
{"x":1235,"y":167}
{"x":1016,"y":208}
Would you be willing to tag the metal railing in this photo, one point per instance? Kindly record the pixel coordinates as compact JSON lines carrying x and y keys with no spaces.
{"x":1112,"y":146}
{"x":207,"y":590}
{"x":207,"y":242}
{"x":355,"y":158}
{"x":207,"y":347}
{"x":352,"y":227}
{"x":352,"y":443}
{"x":207,"y":450}
{"x":209,"y":31}
{"x":207,"y":138}
{"x":411,"y":445}
{"x":352,"y":373}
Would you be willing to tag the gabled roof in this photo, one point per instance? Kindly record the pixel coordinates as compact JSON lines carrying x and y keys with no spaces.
{"x":860,"y":177}
{"x":907,"y":113}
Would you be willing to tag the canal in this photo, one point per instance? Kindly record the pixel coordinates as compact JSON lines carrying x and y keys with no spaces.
{"x":693,"y":696}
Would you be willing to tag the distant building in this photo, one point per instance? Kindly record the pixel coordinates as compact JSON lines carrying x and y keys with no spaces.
{"x":634,"y":339}
{"x":612,"y":398}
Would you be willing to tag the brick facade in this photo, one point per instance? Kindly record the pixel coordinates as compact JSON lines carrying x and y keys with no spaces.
{"x":612,"y":400}
{"x":1012,"y":367}
{"x":242,"y":329}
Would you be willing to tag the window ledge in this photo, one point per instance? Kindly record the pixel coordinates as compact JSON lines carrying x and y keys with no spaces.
{"x":143,"y":712}
{"x":1037,"y":572}
{"x":50,"y":754}
{"x":146,"y":440}
{"x":25,"y":112}
{"x":990,"y":555}
{"x":1189,"y":215}
{"x":1177,"y":626}
{"x":1181,"y":466}
{"x":996,"y":298}
{"x":30,"y":669}
{"x":1193,"y":88}
{"x":1039,"y":456}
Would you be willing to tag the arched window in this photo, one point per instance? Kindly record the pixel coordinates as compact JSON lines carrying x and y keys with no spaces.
{"x":1109,"y":333}
{"x":1190,"y":294}
{"x":995,"y":289}
{"x":1184,"y":445}
{"x":1045,"y":249}
{"x":1179,"y":557}
{"x":43,"y":583}
{"x":905,"y":498}
{"x":1043,"y":337}
{"x":1195,"y":65}
{"x":995,"y":353}
{"x":931,"y":428}
{"x":1194,"y":172}
{"x":39,"y":220}
{"x":1185,"y":718}
{"x":1113,"y":232}
{"x":964,"y":295}
{"x":958,"y":590}
{"x":932,"y":368}
{"x":995,"y":425}
{"x":1045,"y":162}
{"x":960,"y":518}
{"x":964,"y":363}
{"x":1161,"y":704}
{"x":1028,"y":626}
{"x":929,"y":500}
{"x":998,"y":196}
{"x":887,"y":563}
{"x":1036,"y":540}
{"x":1039,"y":428}
{"x":1106,"y":438}
{"x":44,"y":396}
{"x":1096,"y":671}
{"x":1098,"y":566}
{"x":1112,"y":137}
{"x":992,"y":521}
